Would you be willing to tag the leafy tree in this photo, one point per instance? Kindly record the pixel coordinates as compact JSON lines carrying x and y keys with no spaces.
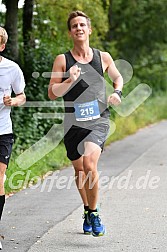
{"x":51,"y":22}
{"x":137,"y":33}
{"x":131,"y":30}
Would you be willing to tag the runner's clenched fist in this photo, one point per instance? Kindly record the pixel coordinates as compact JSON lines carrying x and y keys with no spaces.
{"x":75,"y":72}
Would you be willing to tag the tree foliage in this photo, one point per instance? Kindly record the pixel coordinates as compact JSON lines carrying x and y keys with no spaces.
{"x":140,"y":38}
{"x":134,"y":30}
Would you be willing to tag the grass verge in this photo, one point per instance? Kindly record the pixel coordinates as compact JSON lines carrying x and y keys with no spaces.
{"x":152,"y":111}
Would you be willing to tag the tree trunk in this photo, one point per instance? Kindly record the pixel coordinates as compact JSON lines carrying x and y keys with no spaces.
{"x":109,"y":35}
{"x":104,"y":3}
{"x":28,"y":38}
{"x":12,"y":50}
{"x":27,"y":24}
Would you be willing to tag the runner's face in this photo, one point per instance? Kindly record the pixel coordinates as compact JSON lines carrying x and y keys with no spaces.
{"x":80,"y":30}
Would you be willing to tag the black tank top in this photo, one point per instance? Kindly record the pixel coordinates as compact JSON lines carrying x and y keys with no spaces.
{"x":89,"y":86}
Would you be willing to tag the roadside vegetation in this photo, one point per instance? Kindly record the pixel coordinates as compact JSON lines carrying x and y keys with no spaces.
{"x":128,"y":30}
{"x":150,"y":112}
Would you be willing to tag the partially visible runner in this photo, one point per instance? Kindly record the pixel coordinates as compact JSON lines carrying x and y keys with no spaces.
{"x":11,"y":79}
{"x":78,"y":76}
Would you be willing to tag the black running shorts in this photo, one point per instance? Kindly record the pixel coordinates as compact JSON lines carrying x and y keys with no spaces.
{"x":6,"y":142}
{"x":76,"y":137}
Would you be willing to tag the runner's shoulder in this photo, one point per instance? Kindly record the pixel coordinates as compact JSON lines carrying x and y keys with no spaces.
{"x":60,"y":57}
{"x":60,"y":61}
{"x":106,"y":56}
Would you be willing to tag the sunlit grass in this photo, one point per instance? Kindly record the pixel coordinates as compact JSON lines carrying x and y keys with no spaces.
{"x":153,"y":110}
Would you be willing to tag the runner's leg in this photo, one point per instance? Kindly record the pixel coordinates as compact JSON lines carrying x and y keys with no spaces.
{"x":90,"y":160}
{"x":79,"y":178}
{"x":2,"y":190}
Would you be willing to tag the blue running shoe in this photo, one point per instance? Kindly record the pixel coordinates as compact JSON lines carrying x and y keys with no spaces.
{"x":98,"y":229}
{"x":87,"y":227}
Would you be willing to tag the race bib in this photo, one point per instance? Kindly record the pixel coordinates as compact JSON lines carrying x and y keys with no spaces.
{"x":87,"y":111}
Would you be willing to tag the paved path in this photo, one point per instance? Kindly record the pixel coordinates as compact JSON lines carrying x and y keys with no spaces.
{"x":133,"y":203}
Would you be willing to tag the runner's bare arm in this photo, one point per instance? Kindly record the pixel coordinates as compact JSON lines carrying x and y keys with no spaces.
{"x":113,"y":73}
{"x":57,"y":88}
{"x":109,"y":67}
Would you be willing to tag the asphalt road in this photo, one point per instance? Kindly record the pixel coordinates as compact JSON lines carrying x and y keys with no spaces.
{"x":132,"y":201}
